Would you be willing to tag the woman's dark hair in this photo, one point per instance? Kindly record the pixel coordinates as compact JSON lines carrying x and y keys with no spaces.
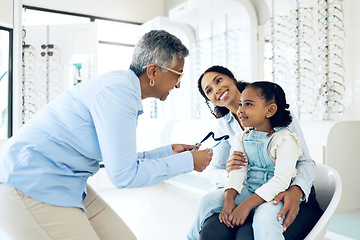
{"x":272,"y":92}
{"x":219,"y":112}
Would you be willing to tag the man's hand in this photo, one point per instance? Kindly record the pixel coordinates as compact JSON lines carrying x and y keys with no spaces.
{"x":201,"y":159}
{"x":291,"y":199}
{"x":236,"y":161}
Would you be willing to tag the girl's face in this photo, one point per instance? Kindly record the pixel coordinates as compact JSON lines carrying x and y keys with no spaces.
{"x":254,"y":111}
{"x":220,"y":89}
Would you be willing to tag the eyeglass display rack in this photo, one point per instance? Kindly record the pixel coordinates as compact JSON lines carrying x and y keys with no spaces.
{"x":330,"y":56}
{"x":41,"y":76}
{"x":52,"y":63}
{"x":312,"y":40}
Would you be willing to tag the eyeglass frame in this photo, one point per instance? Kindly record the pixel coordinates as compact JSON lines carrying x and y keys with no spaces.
{"x":211,"y":134}
{"x":181,"y":74}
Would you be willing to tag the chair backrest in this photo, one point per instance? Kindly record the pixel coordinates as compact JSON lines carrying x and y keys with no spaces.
{"x":328,"y":190}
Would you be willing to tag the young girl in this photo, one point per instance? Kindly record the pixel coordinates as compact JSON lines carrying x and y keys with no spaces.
{"x":263,"y":110}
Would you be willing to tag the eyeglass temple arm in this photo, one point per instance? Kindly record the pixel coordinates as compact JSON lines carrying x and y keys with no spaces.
{"x":225,"y":137}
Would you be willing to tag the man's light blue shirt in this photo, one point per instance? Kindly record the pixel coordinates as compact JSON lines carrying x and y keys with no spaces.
{"x":52,"y":155}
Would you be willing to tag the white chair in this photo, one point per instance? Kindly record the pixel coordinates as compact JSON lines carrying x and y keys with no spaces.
{"x":328,"y":190}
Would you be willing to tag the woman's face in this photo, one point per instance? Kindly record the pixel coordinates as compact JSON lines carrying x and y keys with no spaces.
{"x":166,"y":82}
{"x":220,"y":89}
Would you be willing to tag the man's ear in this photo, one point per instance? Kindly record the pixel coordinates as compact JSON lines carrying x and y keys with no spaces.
{"x":272,"y":108}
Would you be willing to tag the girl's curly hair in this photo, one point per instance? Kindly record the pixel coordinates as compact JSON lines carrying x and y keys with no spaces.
{"x":272,"y":92}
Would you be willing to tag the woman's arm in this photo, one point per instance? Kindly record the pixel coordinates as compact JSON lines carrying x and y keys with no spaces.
{"x":301,"y":186}
{"x":236,"y":177}
{"x":115,"y":118}
{"x":305,"y":165}
{"x":165,"y":151}
{"x":217,"y":170}
{"x":160,"y":152}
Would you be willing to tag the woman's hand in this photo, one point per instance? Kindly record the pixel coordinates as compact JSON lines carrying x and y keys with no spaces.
{"x":236,"y":161}
{"x":179,"y":148}
{"x":291,"y":199}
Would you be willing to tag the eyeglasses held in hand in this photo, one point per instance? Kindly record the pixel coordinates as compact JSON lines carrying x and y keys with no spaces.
{"x":219,"y":140}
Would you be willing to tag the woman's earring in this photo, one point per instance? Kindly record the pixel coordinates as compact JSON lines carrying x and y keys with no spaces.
{"x":152,"y":82}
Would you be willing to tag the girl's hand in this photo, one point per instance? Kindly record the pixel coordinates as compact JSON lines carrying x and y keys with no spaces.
{"x":179,"y":148}
{"x":229,"y":206}
{"x":241,"y":212}
{"x":239,"y":215}
{"x":236,"y":161}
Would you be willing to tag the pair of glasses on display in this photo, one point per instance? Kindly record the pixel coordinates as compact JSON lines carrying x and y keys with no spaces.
{"x":50,"y":46}
{"x":211,"y":134}
{"x":43,"y":54}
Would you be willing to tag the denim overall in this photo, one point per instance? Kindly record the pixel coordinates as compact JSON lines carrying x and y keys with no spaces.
{"x":260,"y":170}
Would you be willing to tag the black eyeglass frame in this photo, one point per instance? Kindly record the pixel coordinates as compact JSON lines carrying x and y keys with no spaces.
{"x":211,"y":134}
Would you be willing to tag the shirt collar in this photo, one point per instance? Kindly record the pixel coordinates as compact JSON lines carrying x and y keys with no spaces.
{"x":136,"y":83}
{"x":229,"y":117}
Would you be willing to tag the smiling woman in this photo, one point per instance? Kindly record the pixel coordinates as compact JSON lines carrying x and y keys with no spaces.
{"x":225,"y":93}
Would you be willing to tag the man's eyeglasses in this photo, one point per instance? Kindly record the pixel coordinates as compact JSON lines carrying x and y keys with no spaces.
{"x":181,"y":74}
{"x":211,"y":134}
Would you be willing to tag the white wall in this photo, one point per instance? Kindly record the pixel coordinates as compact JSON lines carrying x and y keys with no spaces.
{"x":352,"y":55}
{"x":134,"y":10}
{"x":6,"y":13}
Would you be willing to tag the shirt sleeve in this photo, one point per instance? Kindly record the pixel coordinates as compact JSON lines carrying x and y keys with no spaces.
{"x":216,"y":171}
{"x":305,"y":165}
{"x":236,"y":177}
{"x":285,"y":149}
{"x":115,"y":111}
{"x":156,"y":153}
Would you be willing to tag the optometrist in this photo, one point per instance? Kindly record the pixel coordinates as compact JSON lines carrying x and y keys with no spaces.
{"x":44,"y":168}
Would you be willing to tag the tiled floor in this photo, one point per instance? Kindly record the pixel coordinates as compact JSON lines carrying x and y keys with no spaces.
{"x":166,"y":211}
